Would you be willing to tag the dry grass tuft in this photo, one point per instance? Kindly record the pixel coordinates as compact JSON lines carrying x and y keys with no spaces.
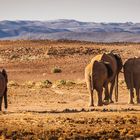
{"x":13,"y":84}
{"x":61,"y":82}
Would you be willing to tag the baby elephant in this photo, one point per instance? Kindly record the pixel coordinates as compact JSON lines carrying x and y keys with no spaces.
{"x":3,"y":87}
{"x":132,"y":78}
{"x":96,"y":75}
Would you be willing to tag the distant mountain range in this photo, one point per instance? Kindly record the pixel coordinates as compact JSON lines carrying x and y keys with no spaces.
{"x":70,"y":30}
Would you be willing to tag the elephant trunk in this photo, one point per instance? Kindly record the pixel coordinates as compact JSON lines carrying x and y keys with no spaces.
{"x":5,"y":98}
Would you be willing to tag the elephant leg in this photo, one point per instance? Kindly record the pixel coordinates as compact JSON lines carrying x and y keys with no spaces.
{"x":5,"y":98}
{"x":131,"y":96}
{"x":137,"y":94}
{"x":100,"y":102}
{"x":111,"y":90}
{"x":91,"y":95}
{"x":91,"y":99}
{"x":1,"y":102}
{"x":106,"y":92}
{"x":90,"y":90}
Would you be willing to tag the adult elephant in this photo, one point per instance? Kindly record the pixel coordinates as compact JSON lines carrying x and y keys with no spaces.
{"x":3,"y":88}
{"x":96,"y":75}
{"x":115,"y":62}
{"x":132,"y":78}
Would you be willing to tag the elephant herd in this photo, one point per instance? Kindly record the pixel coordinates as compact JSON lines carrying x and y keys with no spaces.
{"x":104,"y":69}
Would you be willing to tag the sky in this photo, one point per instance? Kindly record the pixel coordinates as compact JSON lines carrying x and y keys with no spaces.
{"x":82,"y":10}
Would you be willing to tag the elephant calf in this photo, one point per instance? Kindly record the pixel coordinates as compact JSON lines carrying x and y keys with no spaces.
{"x":3,"y":88}
{"x":132,"y":77}
{"x":96,"y":75}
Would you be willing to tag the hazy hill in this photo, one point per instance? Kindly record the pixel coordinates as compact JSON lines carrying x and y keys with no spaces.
{"x":70,"y":29}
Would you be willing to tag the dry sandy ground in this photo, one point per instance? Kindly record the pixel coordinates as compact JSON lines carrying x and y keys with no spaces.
{"x":47,"y":105}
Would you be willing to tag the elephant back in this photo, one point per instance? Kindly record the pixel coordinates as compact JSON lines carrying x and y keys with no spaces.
{"x":136,"y":72}
{"x":96,"y":58}
{"x":136,"y":65}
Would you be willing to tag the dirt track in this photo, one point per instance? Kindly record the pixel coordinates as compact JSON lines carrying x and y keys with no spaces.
{"x":38,"y":109}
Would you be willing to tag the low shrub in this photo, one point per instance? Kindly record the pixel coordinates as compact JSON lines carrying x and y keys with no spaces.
{"x":56,"y":70}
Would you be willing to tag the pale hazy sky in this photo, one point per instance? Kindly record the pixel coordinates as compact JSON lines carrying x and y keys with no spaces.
{"x":83,"y":10}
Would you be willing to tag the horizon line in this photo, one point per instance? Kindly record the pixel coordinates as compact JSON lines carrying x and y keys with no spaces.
{"x":69,"y":20}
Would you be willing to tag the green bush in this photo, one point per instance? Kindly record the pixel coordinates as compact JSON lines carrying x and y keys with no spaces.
{"x":56,"y":70}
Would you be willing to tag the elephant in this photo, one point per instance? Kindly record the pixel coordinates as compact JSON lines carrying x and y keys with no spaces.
{"x":116,"y":66}
{"x":132,"y":78}
{"x":96,"y":74}
{"x":3,"y":88}
{"x":119,"y":67}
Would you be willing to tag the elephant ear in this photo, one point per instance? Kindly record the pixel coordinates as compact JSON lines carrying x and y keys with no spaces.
{"x":109,"y":69}
{"x":119,"y":61}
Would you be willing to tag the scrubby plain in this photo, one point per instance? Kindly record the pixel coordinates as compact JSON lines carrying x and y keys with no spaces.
{"x":45,"y":104}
